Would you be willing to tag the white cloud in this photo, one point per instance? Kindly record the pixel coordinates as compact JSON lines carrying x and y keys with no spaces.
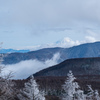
{"x":90,"y":39}
{"x":92,"y":35}
{"x":53,"y":60}
{"x":26,"y":68}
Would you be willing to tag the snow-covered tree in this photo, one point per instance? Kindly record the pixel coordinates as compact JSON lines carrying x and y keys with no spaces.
{"x":79,"y":95}
{"x":92,"y":94}
{"x":31,"y":91}
{"x":72,"y":89}
{"x":6,"y":85}
{"x":96,"y":95}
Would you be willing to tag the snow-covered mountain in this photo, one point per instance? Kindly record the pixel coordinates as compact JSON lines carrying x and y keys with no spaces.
{"x":66,"y":42}
{"x":63,"y":43}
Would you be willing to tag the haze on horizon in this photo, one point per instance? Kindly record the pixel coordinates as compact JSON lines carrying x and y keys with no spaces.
{"x":29,"y":23}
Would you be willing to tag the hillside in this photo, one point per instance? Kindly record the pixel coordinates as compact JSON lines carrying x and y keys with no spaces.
{"x":79,"y":66}
{"x":81,"y":51}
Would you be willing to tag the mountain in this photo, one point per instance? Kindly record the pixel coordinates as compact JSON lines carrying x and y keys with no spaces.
{"x":41,"y":55}
{"x":80,"y":51}
{"x":66,"y":42}
{"x":12,"y":51}
{"x":63,"y":43}
{"x":79,"y":66}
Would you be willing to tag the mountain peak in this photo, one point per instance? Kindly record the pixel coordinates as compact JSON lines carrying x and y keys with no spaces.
{"x":67,"y":42}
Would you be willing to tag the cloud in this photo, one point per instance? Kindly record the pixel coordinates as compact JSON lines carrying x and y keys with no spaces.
{"x":90,"y":39}
{"x":23,"y":22}
{"x":26,"y":68}
{"x":92,"y":35}
{"x":49,"y":13}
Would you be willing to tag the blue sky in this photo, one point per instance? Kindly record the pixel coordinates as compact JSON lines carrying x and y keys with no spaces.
{"x":27,"y":23}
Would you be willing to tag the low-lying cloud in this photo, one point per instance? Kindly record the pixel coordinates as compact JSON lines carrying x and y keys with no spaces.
{"x":26,"y":68}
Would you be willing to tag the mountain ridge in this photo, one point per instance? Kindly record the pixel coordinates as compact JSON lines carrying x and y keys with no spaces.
{"x":79,"y":66}
{"x":13,"y":51}
{"x":80,"y":51}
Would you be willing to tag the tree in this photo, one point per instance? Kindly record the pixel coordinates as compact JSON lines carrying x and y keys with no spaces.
{"x":92,"y":94}
{"x":72,"y":89}
{"x":31,"y":91}
{"x":6,"y":85}
{"x":96,"y":95}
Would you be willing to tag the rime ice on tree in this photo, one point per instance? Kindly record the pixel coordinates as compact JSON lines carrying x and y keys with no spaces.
{"x":6,"y":85}
{"x":31,"y":91}
{"x":92,"y":94}
{"x":71,"y":88}
{"x":97,"y":97}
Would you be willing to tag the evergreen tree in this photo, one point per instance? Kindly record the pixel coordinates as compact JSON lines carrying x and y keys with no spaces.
{"x":90,"y":94}
{"x":96,"y":94}
{"x":72,"y":89}
{"x":31,"y":91}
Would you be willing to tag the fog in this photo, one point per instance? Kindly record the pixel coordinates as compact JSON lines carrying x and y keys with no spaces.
{"x":26,"y":68}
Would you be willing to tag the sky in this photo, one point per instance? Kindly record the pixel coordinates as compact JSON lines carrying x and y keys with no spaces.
{"x":26,"y":24}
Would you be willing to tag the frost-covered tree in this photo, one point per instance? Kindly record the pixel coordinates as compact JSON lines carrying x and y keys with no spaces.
{"x":92,"y":94}
{"x":96,"y":95}
{"x":79,"y":95}
{"x":6,"y":85}
{"x":31,"y":91}
{"x":72,"y":89}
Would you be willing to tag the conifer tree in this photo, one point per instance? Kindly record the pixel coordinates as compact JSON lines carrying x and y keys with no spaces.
{"x":31,"y":91}
{"x":92,"y":94}
{"x":96,"y":94}
{"x":72,"y":89}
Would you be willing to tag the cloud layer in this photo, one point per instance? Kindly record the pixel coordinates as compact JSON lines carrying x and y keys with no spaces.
{"x":59,"y":12}
{"x":26,"y":68}
{"x":50,"y":14}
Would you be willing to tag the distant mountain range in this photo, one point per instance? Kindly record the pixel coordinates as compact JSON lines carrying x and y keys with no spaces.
{"x":12,"y":51}
{"x":79,"y":66}
{"x":80,"y":51}
{"x":64,"y":43}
